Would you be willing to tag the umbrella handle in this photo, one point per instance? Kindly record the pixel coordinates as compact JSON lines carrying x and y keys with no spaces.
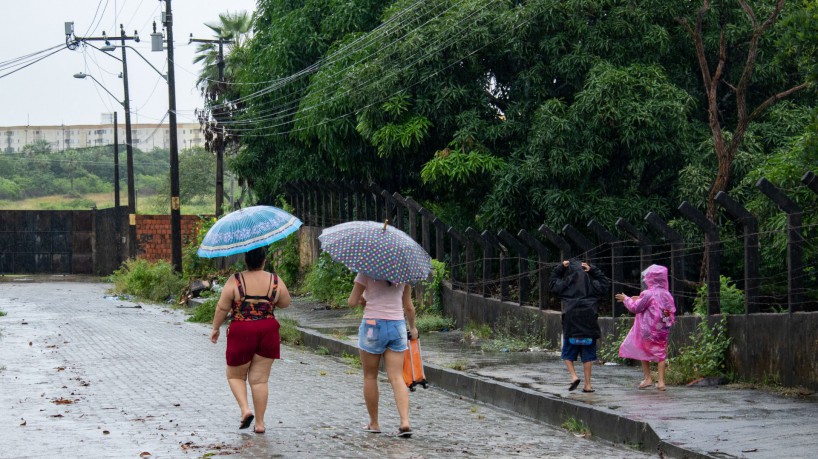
{"x":385,"y":222}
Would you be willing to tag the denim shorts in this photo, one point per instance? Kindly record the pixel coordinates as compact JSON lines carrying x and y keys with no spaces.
{"x":377,"y":335}
{"x":571,"y":351}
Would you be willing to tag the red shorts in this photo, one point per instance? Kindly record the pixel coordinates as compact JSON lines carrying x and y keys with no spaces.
{"x":246,"y":338}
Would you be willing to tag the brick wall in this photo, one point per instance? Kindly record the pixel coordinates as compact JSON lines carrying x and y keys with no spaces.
{"x":153,"y":235}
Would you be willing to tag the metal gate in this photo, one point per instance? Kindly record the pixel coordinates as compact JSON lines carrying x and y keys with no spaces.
{"x":46,"y":241}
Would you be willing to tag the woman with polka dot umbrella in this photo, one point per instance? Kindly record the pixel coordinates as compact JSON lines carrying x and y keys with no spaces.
{"x":378,"y":250}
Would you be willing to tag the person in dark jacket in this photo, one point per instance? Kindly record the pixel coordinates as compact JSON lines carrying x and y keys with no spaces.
{"x":579,"y":286}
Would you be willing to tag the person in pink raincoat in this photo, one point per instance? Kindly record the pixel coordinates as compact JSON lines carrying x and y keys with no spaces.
{"x":655,"y":313}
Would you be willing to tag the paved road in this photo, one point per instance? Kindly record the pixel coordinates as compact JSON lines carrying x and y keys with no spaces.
{"x":83,"y":375}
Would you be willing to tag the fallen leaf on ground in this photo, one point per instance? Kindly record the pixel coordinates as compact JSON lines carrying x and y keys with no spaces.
{"x":23,"y":423}
{"x":56,"y":415}
{"x":144,"y":454}
{"x":63,"y":401}
{"x":749,"y":450}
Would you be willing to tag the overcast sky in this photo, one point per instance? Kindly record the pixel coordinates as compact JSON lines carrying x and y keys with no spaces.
{"x":46,"y":93}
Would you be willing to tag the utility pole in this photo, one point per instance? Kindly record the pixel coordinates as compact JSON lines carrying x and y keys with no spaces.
{"x":72,"y":44}
{"x":221,"y":134}
{"x":175,"y":215}
{"x":129,"y":153}
{"x":117,"y":217}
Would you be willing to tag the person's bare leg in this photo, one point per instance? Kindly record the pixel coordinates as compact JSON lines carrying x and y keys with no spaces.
{"x":259,"y":377}
{"x":586,"y":368}
{"x":394,"y":370}
{"x":646,"y":370}
{"x":662,"y":365}
{"x":237,"y":379}
{"x":570,"y":365}
{"x":370,"y":364}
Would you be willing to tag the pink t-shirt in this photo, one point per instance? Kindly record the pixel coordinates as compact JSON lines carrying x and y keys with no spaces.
{"x":382,"y":300}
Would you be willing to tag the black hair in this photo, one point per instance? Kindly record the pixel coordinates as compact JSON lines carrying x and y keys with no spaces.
{"x":254,"y":259}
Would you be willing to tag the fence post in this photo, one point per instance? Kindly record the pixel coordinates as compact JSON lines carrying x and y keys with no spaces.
{"x":579,"y":240}
{"x":752,"y":258}
{"x":413,"y":208}
{"x":440,"y":232}
{"x":617,"y":309}
{"x":809,"y":179}
{"x":712,"y":252}
{"x":677,"y":264}
{"x":522,"y":262}
{"x":559,"y":242}
{"x":505,"y":268}
{"x":349,"y":191}
{"x":377,"y":195}
{"x":488,"y":255}
{"x":308,"y":202}
{"x":542,"y":275}
{"x":369,"y":202}
{"x":390,"y":207}
{"x":399,"y":208}
{"x":426,"y":219}
{"x":458,"y":240}
{"x":641,"y":240}
{"x":795,"y":240}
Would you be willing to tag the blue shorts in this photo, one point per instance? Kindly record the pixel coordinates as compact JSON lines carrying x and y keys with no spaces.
{"x":586,"y":352}
{"x":377,"y":335}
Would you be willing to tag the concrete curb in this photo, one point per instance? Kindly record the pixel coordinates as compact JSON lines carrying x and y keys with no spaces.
{"x":547,"y":408}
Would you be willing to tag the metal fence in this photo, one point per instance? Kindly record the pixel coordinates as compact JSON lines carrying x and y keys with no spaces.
{"x":515,"y":265}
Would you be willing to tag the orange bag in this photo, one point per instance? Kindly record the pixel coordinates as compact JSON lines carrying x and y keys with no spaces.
{"x":413,"y":366}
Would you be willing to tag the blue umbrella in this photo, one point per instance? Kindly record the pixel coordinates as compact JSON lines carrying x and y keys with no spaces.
{"x":246,"y":229}
{"x":377,"y":250}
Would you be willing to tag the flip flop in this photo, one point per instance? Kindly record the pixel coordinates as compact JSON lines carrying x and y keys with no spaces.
{"x":371,"y":430}
{"x":574,"y":384}
{"x":259,"y":431}
{"x":645,"y":386}
{"x":245,"y":423}
{"x":589,"y":390}
{"x":405,"y":432}
{"x":661,"y":388}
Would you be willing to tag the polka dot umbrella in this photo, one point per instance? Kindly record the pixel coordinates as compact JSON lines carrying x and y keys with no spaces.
{"x":246,"y":229}
{"x":378,"y":250}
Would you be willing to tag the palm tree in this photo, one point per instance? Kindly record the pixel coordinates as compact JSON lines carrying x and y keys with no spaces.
{"x":233,"y":30}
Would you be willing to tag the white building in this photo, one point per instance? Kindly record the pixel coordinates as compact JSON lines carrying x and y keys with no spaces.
{"x":64,"y":137}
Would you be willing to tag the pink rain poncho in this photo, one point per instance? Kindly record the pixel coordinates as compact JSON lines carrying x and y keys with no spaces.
{"x":655,"y":312}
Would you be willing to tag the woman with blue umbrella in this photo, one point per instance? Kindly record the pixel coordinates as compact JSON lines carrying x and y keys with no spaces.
{"x":250,"y":298}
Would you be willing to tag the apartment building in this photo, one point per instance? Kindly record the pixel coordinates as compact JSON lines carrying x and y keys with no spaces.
{"x":66,"y":137}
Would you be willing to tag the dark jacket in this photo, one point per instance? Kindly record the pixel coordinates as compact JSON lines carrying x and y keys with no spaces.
{"x":579,"y":292}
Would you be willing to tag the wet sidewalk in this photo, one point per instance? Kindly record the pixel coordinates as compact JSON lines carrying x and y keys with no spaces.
{"x":718,"y":422}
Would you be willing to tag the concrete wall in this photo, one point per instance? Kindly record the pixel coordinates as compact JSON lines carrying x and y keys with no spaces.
{"x":772,"y":348}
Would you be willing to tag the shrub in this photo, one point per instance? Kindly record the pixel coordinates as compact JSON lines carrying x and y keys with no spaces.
{"x":432,"y":301}
{"x":204,"y":312}
{"x":155,"y":281}
{"x":433,"y":322}
{"x":609,"y":348}
{"x":285,"y":260}
{"x":329,"y":282}
{"x":731,"y":298}
{"x":289,"y":331}
{"x":706,"y":356}
{"x":196,"y":267}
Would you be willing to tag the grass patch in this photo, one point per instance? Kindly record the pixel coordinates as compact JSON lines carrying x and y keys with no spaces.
{"x":433,"y":322}
{"x":609,"y":347}
{"x":706,"y":356}
{"x":321,"y":350}
{"x":351,"y":360}
{"x":459,"y":365}
{"x":154,"y":281}
{"x":2,"y":313}
{"x":289,"y":331}
{"x":478,"y":331}
{"x":355,"y":312}
{"x":204,"y":312}
{"x":512,"y":333}
{"x":576,"y":427}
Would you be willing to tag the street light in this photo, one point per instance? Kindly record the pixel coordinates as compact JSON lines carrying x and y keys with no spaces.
{"x":82,"y":76}
{"x":109,"y":48}
{"x":117,"y":222}
{"x":71,"y":42}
